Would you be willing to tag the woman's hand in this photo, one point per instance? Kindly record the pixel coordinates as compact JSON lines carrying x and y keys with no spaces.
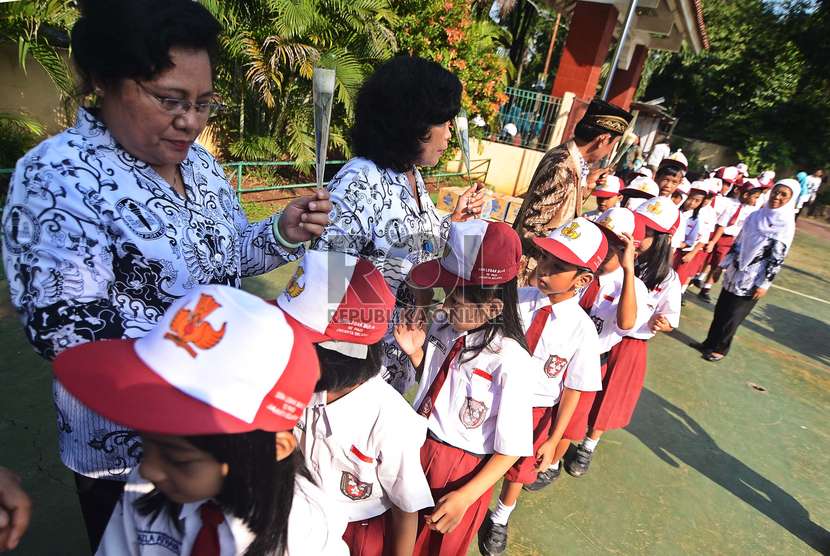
{"x":469,"y":204}
{"x":759,"y":293}
{"x":305,"y":217}
{"x":448,"y":512}
{"x":15,"y":510}
{"x":629,"y":253}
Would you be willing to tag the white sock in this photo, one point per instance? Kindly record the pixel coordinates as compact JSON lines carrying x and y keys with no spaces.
{"x":684,"y":288}
{"x":502,"y":513}
{"x":590,"y":444}
{"x":706,"y":287}
{"x":554,"y":465}
{"x":700,"y":277}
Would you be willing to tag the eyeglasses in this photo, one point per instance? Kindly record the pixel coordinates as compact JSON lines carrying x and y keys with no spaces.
{"x":180,"y":107}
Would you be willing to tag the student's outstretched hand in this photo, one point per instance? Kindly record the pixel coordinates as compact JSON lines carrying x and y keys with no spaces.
{"x":448,"y":512}
{"x":544,"y":455}
{"x":410,"y":336}
{"x":15,"y":510}
{"x":629,"y":253}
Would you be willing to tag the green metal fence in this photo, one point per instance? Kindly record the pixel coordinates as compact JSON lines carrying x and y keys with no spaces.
{"x":527,"y":119}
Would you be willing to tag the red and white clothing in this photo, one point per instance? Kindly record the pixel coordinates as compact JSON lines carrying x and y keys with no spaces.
{"x":664,"y":300}
{"x":604,"y":309}
{"x":484,"y":405}
{"x":733,"y":217}
{"x":314,"y":526}
{"x":680,"y":234}
{"x":364,"y":448}
{"x":692,"y":229}
{"x":692,"y":235}
{"x":567,"y":351}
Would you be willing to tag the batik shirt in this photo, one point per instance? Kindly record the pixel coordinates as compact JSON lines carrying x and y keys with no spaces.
{"x":376,"y":216}
{"x":97,"y":245}
{"x":765,"y":264}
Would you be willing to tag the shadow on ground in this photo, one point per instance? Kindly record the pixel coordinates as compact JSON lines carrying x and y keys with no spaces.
{"x":808,"y":338}
{"x":672,"y":434}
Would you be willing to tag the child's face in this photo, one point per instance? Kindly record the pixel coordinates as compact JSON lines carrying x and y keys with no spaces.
{"x":180,"y":470}
{"x":605,"y":203}
{"x":752,"y":198}
{"x":668,"y":184}
{"x":693,"y":202}
{"x":554,"y":276}
{"x":466,"y":315}
{"x":677,"y":197}
{"x":646,"y":242}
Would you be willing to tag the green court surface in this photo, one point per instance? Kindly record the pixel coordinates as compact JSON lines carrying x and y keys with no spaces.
{"x":721,"y":458}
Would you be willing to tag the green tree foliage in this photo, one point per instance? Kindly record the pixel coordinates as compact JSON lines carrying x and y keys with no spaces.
{"x":762,"y":86}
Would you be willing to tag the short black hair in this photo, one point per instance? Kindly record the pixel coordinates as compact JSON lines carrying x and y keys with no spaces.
{"x":669,"y":170}
{"x":397,"y":105}
{"x":338,"y":371}
{"x":115,"y":40}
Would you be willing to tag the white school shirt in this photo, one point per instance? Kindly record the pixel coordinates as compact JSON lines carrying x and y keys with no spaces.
{"x":568,"y":349}
{"x":707,"y":218}
{"x":663,"y":300}
{"x":364,"y":450}
{"x":721,"y":204}
{"x":692,"y":234}
{"x":97,"y":245}
{"x":604,"y":310}
{"x":485,"y":405}
{"x":680,"y":234}
{"x":729,"y":212}
{"x":314,"y":526}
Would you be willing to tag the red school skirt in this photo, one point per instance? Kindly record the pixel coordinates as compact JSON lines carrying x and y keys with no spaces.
{"x":524,"y":470}
{"x":686,"y":271}
{"x":621,"y":385}
{"x":448,"y":468}
{"x":721,"y":249}
{"x":578,"y":425}
{"x":365,"y":538}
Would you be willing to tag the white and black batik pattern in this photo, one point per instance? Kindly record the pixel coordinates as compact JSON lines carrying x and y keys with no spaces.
{"x":760,"y":272}
{"x":376,"y":216}
{"x":97,"y":245}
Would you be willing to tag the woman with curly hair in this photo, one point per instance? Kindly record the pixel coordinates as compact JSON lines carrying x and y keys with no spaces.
{"x":382,"y":210}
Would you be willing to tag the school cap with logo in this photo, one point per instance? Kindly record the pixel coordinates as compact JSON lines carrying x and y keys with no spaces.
{"x":729,"y":174}
{"x":715,"y":185}
{"x":700,"y":186}
{"x":579,"y":242}
{"x":742,"y":168}
{"x":479,"y":253}
{"x":610,"y":188}
{"x":676,"y":159}
{"x":642,"y":187}
{"x":617,"y":221}
{"x":645,"y":171}
{"x":767,"y":179}
{"x":684,"y":188}
{"x":659,"y":214}
{"x":339,"y":297}
{"x":751,"y":184}
{"x":219,"y":361}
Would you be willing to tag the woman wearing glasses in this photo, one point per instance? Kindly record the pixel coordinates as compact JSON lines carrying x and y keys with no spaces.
{"x":112,"y":220}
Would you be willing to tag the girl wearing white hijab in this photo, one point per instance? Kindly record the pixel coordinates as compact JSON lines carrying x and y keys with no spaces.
{"x":751,"y":265}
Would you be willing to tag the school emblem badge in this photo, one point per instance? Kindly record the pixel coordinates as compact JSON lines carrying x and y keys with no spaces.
{"x":571,"y":231}
{"x":473,"y":413}
{"x":598,"y":322}
{"x":608,"y":222}
{"x":555,"y":365}
{"x":353,"y":488}
{"x":654,"y":208}
{"x":295,"y":287}
{"x":189,"y":327}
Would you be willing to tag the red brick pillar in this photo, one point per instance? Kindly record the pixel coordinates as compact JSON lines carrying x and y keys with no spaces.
{"x":589,"y":36}
{"x":625,"y":82}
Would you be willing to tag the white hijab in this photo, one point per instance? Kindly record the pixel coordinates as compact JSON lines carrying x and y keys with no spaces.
{"x":767,"y":223}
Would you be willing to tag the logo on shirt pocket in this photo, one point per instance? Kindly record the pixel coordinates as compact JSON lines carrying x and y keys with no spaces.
{"x":598,"y":322}
{"x":472,"y":413}
{"x":353,"y":488}
{"x":555,"y":365}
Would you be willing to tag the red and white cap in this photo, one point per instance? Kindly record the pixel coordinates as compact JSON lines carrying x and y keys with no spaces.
{"x":767,"y":179}
{"x":339,"y":297}
{"x":676,"y":158}
{"x":579,"y":242}
{"x":715,"y":185}
{"x":619,"y":221}
{"x":742,"y":168}
{"x":750,"y":184}
{"x":642,"y":187}
{"x":611,"y":187}
{"x":645,"y":171}
{"x":700,"y":186}
{"x":729,"y":174}
{"x":683,"y":188}
{"x":481,"y":253}
{"x":219,"y":360}
{"x":659,"y":214}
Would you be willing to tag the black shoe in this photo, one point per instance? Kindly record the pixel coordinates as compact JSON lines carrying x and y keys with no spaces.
{"x":682,"y":300}
{"x":492,"y":537}
{"x":704,"y":296}
{"x":695,"y":282}
{"x":578,"y":466}
{"x":700,"y":346}
{"x":543,"y":479}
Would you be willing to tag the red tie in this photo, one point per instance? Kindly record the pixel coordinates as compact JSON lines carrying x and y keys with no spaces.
{"x":438,"y":382}
{"x":207,"y":541}
{"x":734,"y":216}
{"x":589,"y":296}
{"x":540,"y":319}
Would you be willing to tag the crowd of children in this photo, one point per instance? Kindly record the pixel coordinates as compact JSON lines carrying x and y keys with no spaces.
{"x":266,"y":426}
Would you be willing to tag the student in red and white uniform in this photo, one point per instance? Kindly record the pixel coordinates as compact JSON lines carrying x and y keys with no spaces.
{"x":565,"y":348}
{"x":678,"y":197}
{"x":608,"y":195}
{"x":214,"y":390}
{"x":616,"y":304}
{"x":638,"y":191}
{"x":659,"y":311}
{"x":670,"y":173}
{"x":475,"y":388}
{"x":361,"y":440}
{"x":728,"y":226}
{"x":695,"y":235}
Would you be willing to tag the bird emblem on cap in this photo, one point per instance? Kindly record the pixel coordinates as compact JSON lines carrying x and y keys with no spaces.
{"x":654,"y":208}
{"x":608,"y":222}
{"x":571,"y":231}
{"x":189,"y":327}
{"x":294,"y":288}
